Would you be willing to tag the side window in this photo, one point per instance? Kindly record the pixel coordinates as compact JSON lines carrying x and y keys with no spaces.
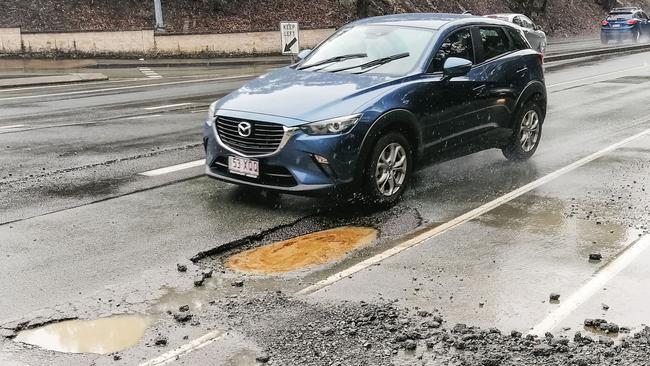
{"x":527,"y":23}
{"x":459,"y":44}
{"x":518,"y":40}
{"x":494,"y":41}
{"x":517,"y":20}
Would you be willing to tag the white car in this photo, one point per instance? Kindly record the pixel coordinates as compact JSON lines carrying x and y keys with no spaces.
{"x":536,"y":37}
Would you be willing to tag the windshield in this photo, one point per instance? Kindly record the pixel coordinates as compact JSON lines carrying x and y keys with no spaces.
{"x":619,"y":16}
{"x":372,"y":42}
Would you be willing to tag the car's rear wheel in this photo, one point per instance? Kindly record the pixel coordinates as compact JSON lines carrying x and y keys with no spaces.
{"x":388,"y":169}
{"x":527,"y":133}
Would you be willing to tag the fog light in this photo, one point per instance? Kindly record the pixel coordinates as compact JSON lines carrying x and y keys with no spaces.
{"x":321,"y":160}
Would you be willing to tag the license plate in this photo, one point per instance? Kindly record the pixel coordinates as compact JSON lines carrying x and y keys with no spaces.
{"x":616,"y":25}
{"x":243,"y":166}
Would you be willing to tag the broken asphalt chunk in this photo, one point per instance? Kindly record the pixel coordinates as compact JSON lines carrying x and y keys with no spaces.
{"x":595,"y":256}
{"x":198,"y":281}
{"x":182,"y":317}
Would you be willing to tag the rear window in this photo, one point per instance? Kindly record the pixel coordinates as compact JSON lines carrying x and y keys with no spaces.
{"x":519,"y":43}
{"x":620,"y":16}
{"x":495,"y":42}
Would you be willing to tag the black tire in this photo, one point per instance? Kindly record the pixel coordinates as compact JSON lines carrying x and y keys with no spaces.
{"x":518,"y":149}
{"x":372,"y":192}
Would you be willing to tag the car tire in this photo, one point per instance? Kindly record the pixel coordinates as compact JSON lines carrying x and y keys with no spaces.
{"x":388,"y":170}
{"x":527,"y":134}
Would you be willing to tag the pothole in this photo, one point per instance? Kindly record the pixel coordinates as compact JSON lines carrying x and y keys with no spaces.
{"x":101,"y":336}
{"x":303,"y":251}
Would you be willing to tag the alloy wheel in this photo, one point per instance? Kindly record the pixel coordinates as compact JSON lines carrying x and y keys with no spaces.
{"x":529,"y":131}
{"x":391,"y":169}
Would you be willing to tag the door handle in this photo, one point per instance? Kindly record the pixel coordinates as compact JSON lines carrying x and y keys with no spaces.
{"x":480,"y":90}
{"x":522,"y":70}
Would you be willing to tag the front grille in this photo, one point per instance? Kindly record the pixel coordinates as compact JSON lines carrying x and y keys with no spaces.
{"x":265,"y":138}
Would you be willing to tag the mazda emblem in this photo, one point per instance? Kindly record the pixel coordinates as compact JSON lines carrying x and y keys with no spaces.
{"x":244,"y":129}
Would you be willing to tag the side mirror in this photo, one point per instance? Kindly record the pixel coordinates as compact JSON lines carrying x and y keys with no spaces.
{"x":455,"y":67}
{"x":302,"y":54}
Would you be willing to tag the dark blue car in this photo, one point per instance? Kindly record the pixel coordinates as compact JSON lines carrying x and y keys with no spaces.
{"x":380,"y":98}
{"x":625,"y":24}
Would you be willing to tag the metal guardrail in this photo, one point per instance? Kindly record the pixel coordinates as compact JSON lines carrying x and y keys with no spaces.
{"x":596,"y":52}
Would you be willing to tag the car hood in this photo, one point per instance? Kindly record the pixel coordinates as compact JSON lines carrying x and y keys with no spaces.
{"x":294,"y":97}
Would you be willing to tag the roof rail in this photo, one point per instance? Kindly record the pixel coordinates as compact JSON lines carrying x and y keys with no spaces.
{"x":626,"y":8}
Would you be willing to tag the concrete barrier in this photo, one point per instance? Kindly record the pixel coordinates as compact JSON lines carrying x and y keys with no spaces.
{"x":137,"y":42}
{"x":10,"y":40}
{"x":145,"y":42}
{"x":233,"y":43}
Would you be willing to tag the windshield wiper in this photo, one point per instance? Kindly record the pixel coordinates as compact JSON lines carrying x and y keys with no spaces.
{"x":377,"y":62}
{"x":334,"y":59}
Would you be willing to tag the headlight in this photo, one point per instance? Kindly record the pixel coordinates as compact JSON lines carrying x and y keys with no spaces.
{"x":331,"y":126}
{"x":211,"y":111}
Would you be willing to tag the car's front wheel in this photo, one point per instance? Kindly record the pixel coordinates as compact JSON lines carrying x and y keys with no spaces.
{"x":527,"y":133}
{"x":388,"y":169}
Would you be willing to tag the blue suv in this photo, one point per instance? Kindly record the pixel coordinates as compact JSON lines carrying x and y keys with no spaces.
{"x":624,"y":24}
{"x":377,"y":100}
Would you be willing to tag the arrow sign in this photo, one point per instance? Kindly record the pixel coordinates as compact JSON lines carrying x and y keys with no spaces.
{"x":287,"y":47}
{"x":290,"y":40}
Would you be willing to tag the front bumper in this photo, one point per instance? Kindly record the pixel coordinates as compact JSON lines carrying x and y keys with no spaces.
{"x":294,"y":168}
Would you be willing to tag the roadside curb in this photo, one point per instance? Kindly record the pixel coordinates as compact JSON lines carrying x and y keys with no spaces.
{"x":225,"y":62}
{"x":49,"y":80}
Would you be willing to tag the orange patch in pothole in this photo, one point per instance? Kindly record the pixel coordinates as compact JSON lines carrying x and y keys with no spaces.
{"x":303,"y":251}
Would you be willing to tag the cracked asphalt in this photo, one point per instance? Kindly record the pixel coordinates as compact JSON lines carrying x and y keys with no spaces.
{"x":84,"y":236}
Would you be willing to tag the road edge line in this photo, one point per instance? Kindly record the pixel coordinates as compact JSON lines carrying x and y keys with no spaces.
{"x":470,"y":215}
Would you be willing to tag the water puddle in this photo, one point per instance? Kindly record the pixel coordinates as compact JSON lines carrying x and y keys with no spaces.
{"x":302,"y":251}
{"x":101,"y":336}
{"x":173,"y":299}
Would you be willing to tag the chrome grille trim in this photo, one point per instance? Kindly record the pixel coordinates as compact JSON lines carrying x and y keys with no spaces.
{"x":266,"y":138}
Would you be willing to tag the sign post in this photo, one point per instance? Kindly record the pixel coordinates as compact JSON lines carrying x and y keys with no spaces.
{"x":290,"y":39}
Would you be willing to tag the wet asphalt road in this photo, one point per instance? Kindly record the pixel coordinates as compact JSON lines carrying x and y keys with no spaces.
{"x":83,"y":234}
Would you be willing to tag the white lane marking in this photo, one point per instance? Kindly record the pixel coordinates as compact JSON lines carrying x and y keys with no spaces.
{"x":12,"y":126}
{"x":422,"y":237}
{"x":195,"y":344}
{"x":167,"y":106}
{"x":129,"y":87}
{"x":144,"y":117}
{"x":592,"y":286}
{"x":598,"y":76}
{"x":150,"y":73}
{"x":173,"y":168}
